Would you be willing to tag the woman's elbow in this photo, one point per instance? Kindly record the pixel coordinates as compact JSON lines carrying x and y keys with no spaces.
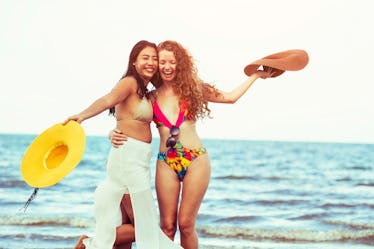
{"x":231,"y":98}
{"x":231,"y":101}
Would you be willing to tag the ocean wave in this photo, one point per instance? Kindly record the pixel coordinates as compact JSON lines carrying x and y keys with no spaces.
{"x":369,"y":184}
{"x":252,"y":178}
{"x":294,"y":202}
{"x":12,"y":184}
{"x":239,"y":219}
{"x":352,"y":225}
{"x":360,"y":167}
{"x":77,"y":222}
{"x":309,"y":216}
{"x":337,"y":205}
{"x":235,"y":177}
{"x":346,"y":206}
{"x":365,"y":236}
{"x":37,"y":236}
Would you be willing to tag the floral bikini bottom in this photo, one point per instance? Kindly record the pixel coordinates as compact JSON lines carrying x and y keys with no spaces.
{"x":179,"y":158}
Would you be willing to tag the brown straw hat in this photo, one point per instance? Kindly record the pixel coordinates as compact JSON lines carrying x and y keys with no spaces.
{"x":290,"y":60}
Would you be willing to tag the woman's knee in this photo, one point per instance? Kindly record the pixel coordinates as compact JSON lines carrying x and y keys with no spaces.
{"x":186,"y":224}
{"x":169,"y":228}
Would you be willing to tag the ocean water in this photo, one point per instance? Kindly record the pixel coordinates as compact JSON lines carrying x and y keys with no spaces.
{"x":262,"y":195}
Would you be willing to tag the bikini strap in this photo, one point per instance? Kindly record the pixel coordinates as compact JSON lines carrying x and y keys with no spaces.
{"x":181,"y":114}
{"x":157,"y":111}
{"x":160,"y":115}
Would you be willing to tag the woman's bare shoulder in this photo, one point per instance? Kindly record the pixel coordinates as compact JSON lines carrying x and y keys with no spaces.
{"x":126,"y":84}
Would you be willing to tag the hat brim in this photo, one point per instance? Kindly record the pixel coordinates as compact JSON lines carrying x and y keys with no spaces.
{"x":53,"y":154}
{"x":290,"y":60}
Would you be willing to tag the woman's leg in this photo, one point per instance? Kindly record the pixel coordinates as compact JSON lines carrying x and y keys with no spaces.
{"x":195,"y":184}
{"x":107,"y":199}
{"x":125,"y":234}
{"x":167,"y":188}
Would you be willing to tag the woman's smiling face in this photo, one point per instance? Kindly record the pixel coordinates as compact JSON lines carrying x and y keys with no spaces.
{"x":167,"y":65}
{"x":146,"y":63}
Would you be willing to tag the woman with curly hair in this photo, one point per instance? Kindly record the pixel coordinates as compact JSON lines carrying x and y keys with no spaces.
{"x":183,"y":165}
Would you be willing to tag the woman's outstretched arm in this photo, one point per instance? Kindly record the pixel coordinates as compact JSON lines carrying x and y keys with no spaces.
{"x":231,"y":97}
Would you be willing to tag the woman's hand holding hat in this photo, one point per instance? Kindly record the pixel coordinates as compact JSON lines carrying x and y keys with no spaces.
{"x":77,"y":118}
{"x":264,"y":74}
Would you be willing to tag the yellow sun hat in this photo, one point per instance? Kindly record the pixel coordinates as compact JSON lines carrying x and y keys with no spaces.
{"x":53,"y":154}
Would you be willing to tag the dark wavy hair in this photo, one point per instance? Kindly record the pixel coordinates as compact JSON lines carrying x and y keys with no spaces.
{"x":131,"y":70}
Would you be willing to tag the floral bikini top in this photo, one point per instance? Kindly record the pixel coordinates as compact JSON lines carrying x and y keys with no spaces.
{"x":161,"y":120}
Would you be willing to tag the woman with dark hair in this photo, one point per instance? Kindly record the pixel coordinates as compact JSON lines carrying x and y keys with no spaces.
{"x":128,"y":169}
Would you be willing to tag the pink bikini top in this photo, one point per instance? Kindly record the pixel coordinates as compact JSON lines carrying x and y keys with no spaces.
{"x":160,"y":119}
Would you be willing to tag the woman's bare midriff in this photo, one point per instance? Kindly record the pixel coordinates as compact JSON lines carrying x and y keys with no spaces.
{"x":188,"y":136}
{"x":136,"y":129}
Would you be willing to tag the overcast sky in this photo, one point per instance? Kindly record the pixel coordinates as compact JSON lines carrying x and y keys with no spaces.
{"x":57,"y":56}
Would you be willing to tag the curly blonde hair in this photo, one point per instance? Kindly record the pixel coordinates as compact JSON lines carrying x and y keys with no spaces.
{"x":188,"y":86}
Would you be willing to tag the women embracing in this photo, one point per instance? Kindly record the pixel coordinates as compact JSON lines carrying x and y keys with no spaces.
{"x":183,"y":164}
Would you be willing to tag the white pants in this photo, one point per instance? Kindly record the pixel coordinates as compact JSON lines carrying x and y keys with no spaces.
{"x":128,"y":172}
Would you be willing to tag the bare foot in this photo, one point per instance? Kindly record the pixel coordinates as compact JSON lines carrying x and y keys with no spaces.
{"x":80,"y":244}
